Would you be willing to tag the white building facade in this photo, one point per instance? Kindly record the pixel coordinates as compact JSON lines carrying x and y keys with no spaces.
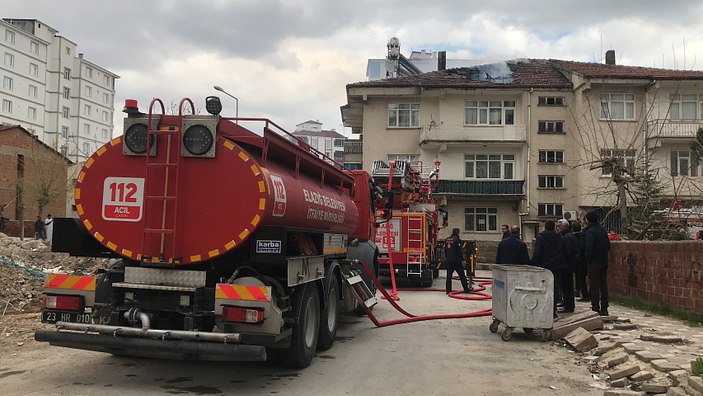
{"x":328,"y":142}
{"x":52,"y":91}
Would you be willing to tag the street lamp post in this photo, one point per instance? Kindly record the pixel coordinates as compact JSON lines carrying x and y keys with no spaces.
{"x":236,"y":101}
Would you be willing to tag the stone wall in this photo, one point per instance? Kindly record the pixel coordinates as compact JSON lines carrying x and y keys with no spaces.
{"x":664,"y":273}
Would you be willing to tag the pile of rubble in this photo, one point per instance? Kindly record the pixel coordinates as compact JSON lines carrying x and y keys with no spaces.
{"x":626,"y":359}
{"x":23,"y":268}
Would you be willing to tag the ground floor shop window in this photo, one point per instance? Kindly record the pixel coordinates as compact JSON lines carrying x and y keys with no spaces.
{"x":480,"y":219}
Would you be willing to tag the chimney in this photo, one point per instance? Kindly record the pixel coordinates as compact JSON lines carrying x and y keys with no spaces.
{"x":442,"y":60}
{"x":610,"y":57}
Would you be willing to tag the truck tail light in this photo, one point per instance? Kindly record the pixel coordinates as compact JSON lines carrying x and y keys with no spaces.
{"x":63,"y":303}
{"x":242,"y":315}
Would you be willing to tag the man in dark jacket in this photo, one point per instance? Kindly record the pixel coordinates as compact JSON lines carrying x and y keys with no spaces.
{"x":549,"y":253}
{"x":581,"y":270}
{"x":505,"y":230}
{"x":565,"y":278}
{"x":455,"y":260}
{"x":512,"y":250}
{"x":596,"y":248}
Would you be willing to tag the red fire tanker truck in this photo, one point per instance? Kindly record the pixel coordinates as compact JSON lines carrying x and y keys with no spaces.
{"x":229,"y":243}
{"x":410,"y":234}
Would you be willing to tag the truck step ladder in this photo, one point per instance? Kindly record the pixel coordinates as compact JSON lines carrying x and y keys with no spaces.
{"x":415,"y":246}
{"x":361,"y":290}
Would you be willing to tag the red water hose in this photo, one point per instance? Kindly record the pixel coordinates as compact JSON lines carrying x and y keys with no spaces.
{"x":474,"y":295}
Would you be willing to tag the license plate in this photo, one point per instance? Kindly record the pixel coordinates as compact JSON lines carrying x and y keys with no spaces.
{"x":60,"y":316}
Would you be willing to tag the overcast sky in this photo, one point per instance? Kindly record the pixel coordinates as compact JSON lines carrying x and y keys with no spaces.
{"x":290,"y":60}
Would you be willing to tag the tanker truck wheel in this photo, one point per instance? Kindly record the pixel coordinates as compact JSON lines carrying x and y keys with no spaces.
{"x":329,"y":318}
{"x":305,"y":331}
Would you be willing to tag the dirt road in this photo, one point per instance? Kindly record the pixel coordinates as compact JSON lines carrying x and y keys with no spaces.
{"x":447,"y":357}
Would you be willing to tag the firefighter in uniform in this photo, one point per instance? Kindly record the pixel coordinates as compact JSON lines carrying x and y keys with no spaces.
{"x":455,"y":260}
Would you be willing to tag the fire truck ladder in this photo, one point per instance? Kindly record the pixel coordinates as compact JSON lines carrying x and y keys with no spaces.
{"x":166,"y":169}
{"x":361,"y":290}
{"x":416,"y":248}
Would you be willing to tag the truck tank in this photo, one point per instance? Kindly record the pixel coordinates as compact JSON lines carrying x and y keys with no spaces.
{"x":178,"y":209}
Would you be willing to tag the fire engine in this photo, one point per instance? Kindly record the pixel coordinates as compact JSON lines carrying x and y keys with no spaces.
{"x":233,"y":239}
{"x":407,"y":240}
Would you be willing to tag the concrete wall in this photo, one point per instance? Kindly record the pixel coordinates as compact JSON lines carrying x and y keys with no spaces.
{"x":665,"y":273}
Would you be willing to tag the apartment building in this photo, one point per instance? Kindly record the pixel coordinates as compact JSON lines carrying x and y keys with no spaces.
{"x":328,"y":142}
{"x":530,"y":140}
{"x":52,"y":91}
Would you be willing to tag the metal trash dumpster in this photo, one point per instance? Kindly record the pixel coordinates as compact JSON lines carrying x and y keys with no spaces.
{"x":522,"y":297}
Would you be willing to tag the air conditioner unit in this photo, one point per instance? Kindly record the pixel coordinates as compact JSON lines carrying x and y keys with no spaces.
{"x":570,"y":215}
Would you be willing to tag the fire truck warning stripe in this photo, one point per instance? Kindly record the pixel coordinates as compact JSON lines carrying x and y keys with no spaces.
{"x":111,"y":246}
{"x":255,"y":170}
{"x":213,"y":253}
{"x":101,"y":150}
{"x":88,"y":225}
{"x":77,"y":193}
{"x":115,"y":141}
{"x":127,"y":252}
{"x":243,"y":156}
{"x":73,"y":282}
{"x":195,"y":257}
{"x":79,"y":209}
{"x":228,"y":144}
{"x":244,"y":234}
{"x":229,"y":245}
{"x":241,"y":292}
{"x":255,"y":220}
{"x":262,"y":203}
{"x":98,"y":236}
{"x":89,"y":163}
{"x":262,"y":186}
{"x":81,"y":176}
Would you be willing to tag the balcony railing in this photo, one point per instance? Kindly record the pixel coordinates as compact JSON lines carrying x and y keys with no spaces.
{"x":481,"y":187}
{"x":458,"y":134}
{"x":673,"y":128}
{"x":353,"y":146}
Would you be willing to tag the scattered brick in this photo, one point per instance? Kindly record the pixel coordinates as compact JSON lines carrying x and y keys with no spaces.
{"x":623,"y":371}
{"x":589,"y":359}
{"x":619,"y":392}
{"x":581,"y":340}
{"x":667,"y":339}
{"x":676,"y":392}
{"x":647,"y":356}
{"x":604,"y":347}
{"x":624,"y":326}
{"x":678,"y":375}
{"x":631,"y":347}
{"x":651,"y":387}
{"x":663,"y":365}
{"x":696,"y":383}
{"x":647,"y":336}
{"x":641,"y":376}
{"x":620,"y":383}
{"x":615,"y":360}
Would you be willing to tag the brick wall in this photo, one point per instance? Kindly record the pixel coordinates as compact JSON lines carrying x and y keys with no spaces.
{"x":40,"y":161}
{"x":668,"y":273}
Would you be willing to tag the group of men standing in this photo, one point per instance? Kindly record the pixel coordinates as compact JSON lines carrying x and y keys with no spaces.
{"x":44,"y":229}
{"x":567,"y":249}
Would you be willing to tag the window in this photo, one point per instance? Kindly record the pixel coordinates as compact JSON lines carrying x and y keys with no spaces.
{"x":34,"y":48}
{"x":328,"y":145}
{"x":106,"y":98}
{"x":403,"y":157}
{"x":106,"y":135}
{"x":313,"y":142}
{"x":550,"y":101}
{"x":404,"y":115}
{"x":106,"y":80}
{"x":32,"y":91}
{"x":551,"y":181}
{"x":550,"y":127}
{"x":87,"y":109}
{"x":6,"y":106}
{"x":66,"y":112}
{"x":489,"y":166}
{"x":617,"y":106}
{"x":550,"y":209}
{"x":683,"y":163}
{"x":9,"y":60}
{"x":88,"y":91}
{"x":10,"y":36}
{"x":551,"y":156}
{"x":66,"y":73}
{"x":31,"y":113}
{"x":624,"y":157}
{"x":68,"y":50}
{"x":34,"y":69}
{"x":64,"y":151}
{"x":66,"y":93}
{"x":106,"y":116}
{"x":64,"y":132}
{"x":480,"y":219}
{"x":86,"y":149}
{"x":685,"y":107}
{"x":7,"y":83}
{"x":338,"y":142}
{"x":483,"y":112}
{"x":89,"y":72}
{"x":86,"y":129}
{"x":353,"y":165}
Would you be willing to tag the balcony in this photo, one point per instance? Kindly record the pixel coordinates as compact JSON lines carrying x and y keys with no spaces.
{"x":353,"y":147}
{"x":442,"y":134}
{"x":685,"y":129}
{"x":509,"y":189}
